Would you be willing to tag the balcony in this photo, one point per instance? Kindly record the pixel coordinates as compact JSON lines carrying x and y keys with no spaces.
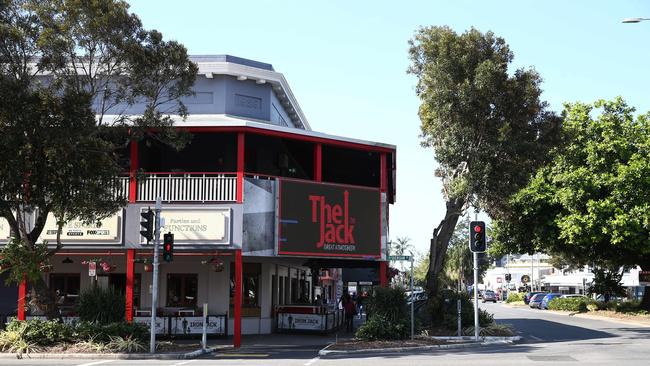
{"x":187,"y":187}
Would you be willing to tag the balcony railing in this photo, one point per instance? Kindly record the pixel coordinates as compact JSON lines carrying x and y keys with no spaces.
{"x":121,"y":188}
{"x":188,"y":187}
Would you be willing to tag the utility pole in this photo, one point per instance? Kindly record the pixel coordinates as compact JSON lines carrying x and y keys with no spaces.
{"x":154,"y":292}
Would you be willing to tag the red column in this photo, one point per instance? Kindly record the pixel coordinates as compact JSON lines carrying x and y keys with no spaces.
{"x":22,"y":291}
{"x":383,"y":174}
{"x":383,"y":274}
{"x":318,"y":162}
{"x":130,"y":274}
{"x":237,"y":299}
{"x":133,"y":185}
{"x":240,"y":166}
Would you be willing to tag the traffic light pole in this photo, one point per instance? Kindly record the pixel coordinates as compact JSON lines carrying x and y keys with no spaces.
{"x":154,"y":292}
{"x":476,"y":324}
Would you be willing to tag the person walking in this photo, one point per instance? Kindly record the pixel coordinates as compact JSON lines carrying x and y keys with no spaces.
{"x":350,"y":310}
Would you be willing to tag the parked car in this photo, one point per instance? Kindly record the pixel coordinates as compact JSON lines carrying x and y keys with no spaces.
{"x":489,"y":295}
{"x":574,"y":295}
{"x":546,"y":299}
{"x":529,"y":295}
{"x":536,"y":300}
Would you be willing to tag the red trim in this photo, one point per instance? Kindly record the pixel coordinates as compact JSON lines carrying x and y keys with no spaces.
{"x":289,"y":135}
{"x":237,"y":299}
{"x":318,"y":162}
{"x":383,"y":175}
{"x":241,"y":140}
{"x":330,"y":255}
{"x":133,"y":169}
{"x":22,"y":292}
{"x":130,"y":274}
{"x":193,"y":173}
{"x":383,"y":274}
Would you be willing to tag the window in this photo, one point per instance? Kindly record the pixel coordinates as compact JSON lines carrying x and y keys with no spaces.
{"x":66,"y":287}
{"x":118,"y":282}
{"x":251,"y":273}
{"x":182,"y":290}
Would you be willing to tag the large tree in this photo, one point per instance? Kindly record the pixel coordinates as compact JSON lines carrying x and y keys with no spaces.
{"x":591,"y":203}
{"x":487,"y":125}
{"x":65,"y":67}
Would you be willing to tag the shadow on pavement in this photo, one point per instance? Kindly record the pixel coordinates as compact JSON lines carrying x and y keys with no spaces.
{"x":549,"y":331}
{"x":501,"y":349}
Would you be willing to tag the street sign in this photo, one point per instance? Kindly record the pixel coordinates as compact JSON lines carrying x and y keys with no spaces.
{"x":92,"y":269}
{"x":399,"y":257}
{"x":525,"y":278}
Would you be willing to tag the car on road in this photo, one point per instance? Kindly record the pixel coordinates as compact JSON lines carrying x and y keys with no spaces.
{"x":489,"y":295}
{"x":546,"y":299}
{"x":536,"y":300}
{"x":574,"y":295}
{"x":529,"y":295}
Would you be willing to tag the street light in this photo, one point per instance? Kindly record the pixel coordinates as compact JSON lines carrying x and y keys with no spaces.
{"x":634,"y":20}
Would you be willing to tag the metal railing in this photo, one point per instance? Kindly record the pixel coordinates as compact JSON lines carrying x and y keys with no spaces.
{"x":121,"y":188}
{"x":188,"y":187}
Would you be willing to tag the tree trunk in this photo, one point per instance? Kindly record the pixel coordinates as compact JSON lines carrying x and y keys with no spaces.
{"x":439,"y":243}
{"x":645,"y":301}
{"x":44,"y":299}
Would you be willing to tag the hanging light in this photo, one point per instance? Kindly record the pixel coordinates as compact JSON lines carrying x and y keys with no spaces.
{"x":67,"y":260}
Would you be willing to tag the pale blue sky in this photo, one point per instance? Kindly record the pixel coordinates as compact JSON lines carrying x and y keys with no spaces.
{"x":346,"y":63}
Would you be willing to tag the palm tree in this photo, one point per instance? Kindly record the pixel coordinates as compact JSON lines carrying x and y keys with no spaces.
{"x":399,"y":247}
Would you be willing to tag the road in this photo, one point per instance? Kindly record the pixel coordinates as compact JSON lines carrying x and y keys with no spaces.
{"x":548,"y":338}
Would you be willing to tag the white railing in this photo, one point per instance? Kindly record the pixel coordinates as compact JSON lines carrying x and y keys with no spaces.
{"x":121,"y":188}
{"x":185,"y":187}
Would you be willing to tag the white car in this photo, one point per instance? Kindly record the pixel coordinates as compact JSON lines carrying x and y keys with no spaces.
{"x":573,"y":295}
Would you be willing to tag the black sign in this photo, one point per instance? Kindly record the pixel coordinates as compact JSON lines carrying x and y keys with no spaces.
{"x":328,"y":220}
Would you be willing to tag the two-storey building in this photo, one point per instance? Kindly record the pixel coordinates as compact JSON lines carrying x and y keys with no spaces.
{"x":263,"y":209}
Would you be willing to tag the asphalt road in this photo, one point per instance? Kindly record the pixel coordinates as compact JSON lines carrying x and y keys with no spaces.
{"x":548,"y":339}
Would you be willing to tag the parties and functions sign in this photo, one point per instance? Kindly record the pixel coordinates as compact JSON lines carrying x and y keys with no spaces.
{"x":106,"y":231}
{"x":197,"y":226}
{"x":329,"y":220}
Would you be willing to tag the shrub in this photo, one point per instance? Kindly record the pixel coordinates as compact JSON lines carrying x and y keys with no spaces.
{"x":389,"y":318}
{"x":569,"y":304}
{"x":448,"y":310}
{"x":515,"y":297}
{"x":42,"y":332}
{"x":126,"y":344}
{"x":628,"y":306}
{"x":105,"y":332}
{"x":493,"y":330}
{"x":101,"y":305}
{"x":380,"y":328}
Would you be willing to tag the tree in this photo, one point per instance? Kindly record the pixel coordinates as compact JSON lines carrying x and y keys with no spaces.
{"x":590,"y":204}
{"x":488,"y":128}
{"x":459,"y":264}
{"x":401,"y":246}
{"x":65,"y":66}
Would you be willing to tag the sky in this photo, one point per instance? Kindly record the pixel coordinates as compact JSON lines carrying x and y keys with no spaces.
{"x":346,"y":63}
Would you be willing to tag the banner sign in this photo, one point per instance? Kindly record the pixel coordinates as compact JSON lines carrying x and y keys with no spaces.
{"x":5,"y":230}
{"x":194,"y":325}
{"x":329,"y":220}
{"x":301,"y":321}
{"x":161,"y":323}
{"x":107,"y":231}
{"x":192,"y":226}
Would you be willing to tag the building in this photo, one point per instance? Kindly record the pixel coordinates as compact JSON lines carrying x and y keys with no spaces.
{"x":263,"y":209}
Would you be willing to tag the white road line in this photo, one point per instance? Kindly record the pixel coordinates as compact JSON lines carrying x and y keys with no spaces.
{"x":312,"y":361}
{"x":183,"y":363}
{"x":96,"y":363}
{"x":536,"y":338}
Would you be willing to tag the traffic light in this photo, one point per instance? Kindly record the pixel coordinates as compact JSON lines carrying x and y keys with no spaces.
{"x":508,"y":277}
{"x":168,"y":247}
{"x":147,"y":225}
{"x":477,"y":242}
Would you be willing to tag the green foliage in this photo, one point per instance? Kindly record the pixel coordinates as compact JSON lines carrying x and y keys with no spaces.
{"x":474,"y":109}
{"x":459,"y":260}
{"x":590,"y":204}
{"x":388,"y":318}
{"x":628,"y":307}
{"x":63,"y":68}
{"x":128,"y":344}
{"x":42,"y":332}
{"x":20,"y":260}
{"x":515,"y":297}
{"x":443,"y":311}
{"x":388,"y":303}
{"x":607,"y":283}
{"x":380,"y":328}
{"x":103,"y":333}
{"x":569,"y":304}
{"x":101,"y":305}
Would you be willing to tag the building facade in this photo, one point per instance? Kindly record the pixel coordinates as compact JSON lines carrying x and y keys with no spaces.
{"x":264,"y":211}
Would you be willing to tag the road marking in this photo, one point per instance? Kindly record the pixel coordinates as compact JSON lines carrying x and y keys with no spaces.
{"x":536,"y":338}
{"x":312,"y":361}
{"x":183,"y":363}
{"x":96,"y":363}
